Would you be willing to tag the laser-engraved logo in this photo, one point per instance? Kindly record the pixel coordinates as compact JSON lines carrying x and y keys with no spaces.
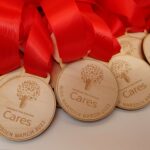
{"x":121,"y":68}
{"x":28,"y":90}
{"x":91,"y":74}
{"x":127,"y":47}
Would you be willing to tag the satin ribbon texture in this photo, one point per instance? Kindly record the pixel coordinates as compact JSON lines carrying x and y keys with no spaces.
{"x":121,"y":15}
{"x":81,"y":28}
{"x":22,"y":22}
{"x":105,"y":45}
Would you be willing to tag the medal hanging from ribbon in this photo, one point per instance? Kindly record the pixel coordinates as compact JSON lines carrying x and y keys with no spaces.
{"x":29,"y":107}
{"x":133,"y":90}
{"x":79,"y":83}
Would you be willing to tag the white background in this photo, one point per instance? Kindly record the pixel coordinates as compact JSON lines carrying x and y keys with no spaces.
{"x":123,"y":130}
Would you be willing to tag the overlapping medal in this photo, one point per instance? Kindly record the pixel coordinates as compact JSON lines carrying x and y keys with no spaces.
{"x":131,"y":44}
{"x":29,"y":107}
{"x":88,"y":90}
{"x":132,"y":75}
{"x":82,"y":90}
{"x":79,"y":83}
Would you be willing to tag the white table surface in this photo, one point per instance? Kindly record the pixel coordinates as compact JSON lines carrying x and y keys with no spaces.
{"x":123,"y":130}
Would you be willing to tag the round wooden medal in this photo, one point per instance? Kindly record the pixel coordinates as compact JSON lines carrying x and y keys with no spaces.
{"x":146,"y":47}
{"x":131,"y":44}
{"x":139,"y":35}
{"x":10,"y":75}
{"x":27,"y":107}
{"x":87,"y":90}
{"x":132,"y":75}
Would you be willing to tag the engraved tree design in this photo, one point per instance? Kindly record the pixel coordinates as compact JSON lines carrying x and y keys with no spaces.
{"x":28,"y":90}
{"x":121,"y":69}
{"x":126,"y":47}
{"x":91,"y":74}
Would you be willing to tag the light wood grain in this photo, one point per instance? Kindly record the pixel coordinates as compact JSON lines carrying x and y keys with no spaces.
{"x":131,"y":44}
{"x":132,"y":75}
{"x":87,"y":96}
{"x":27,"y":107}
{"x":146,"y":47}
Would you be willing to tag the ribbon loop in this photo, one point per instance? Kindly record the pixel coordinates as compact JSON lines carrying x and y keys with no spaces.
{"x":81,"y":27}
{"x":38,"y":48}
{"x":31,"y":33}
{"x":74,"y":34}
{"x":104,"y":45}
{"x":129,"y":12}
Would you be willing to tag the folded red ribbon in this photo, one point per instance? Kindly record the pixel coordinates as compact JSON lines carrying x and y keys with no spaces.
{"x":79,"y":31}
{"x":145,"y":7}
{"x":82,"y":27}
{"x":105,"y":45}
{"x":130,"y":13}
{"x":10,"y":17}
{"x":38,"y":48}
{"x":33,"y":34}
{"x":74,"y":33}
{"x":115,"y":24}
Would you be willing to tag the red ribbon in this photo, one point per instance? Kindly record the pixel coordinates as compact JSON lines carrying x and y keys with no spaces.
{"x":129,"y":14}
{"x":74,"y":33}
{"x":38,"y":48}
{"x":145,"y":7}
{"x":115,"y":24}
{"x":105,"y":45}
{"x":10,"y":17}
{"x":33,"y":33}
{"x":79,"y":26}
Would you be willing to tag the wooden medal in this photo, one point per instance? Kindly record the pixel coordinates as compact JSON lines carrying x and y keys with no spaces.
{"x":146,"y":47}
{"x":27,"y":107}
{"x":10,"y":75}
{"x":139,"y":35}
{"x":87,"y":90}
{"x":131,"y":44}
{"x":17,"y":72}
{"x":132,"y":75}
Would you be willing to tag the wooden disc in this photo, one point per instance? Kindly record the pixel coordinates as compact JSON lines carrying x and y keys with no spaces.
{"x":10,"y":75}
{"x":139,"y":35}
{"x":146,"y":47}
{"x":132,"y":75}
{"x":131,"y":44}
{"x":27,"y":107}
{"x":87,"y":90}
{"x":105,"y":63}
{"x":20,"y":71}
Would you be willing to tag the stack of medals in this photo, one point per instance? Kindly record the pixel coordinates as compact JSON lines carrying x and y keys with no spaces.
{"x":87,"y":88}
{"x":27,"y":105}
